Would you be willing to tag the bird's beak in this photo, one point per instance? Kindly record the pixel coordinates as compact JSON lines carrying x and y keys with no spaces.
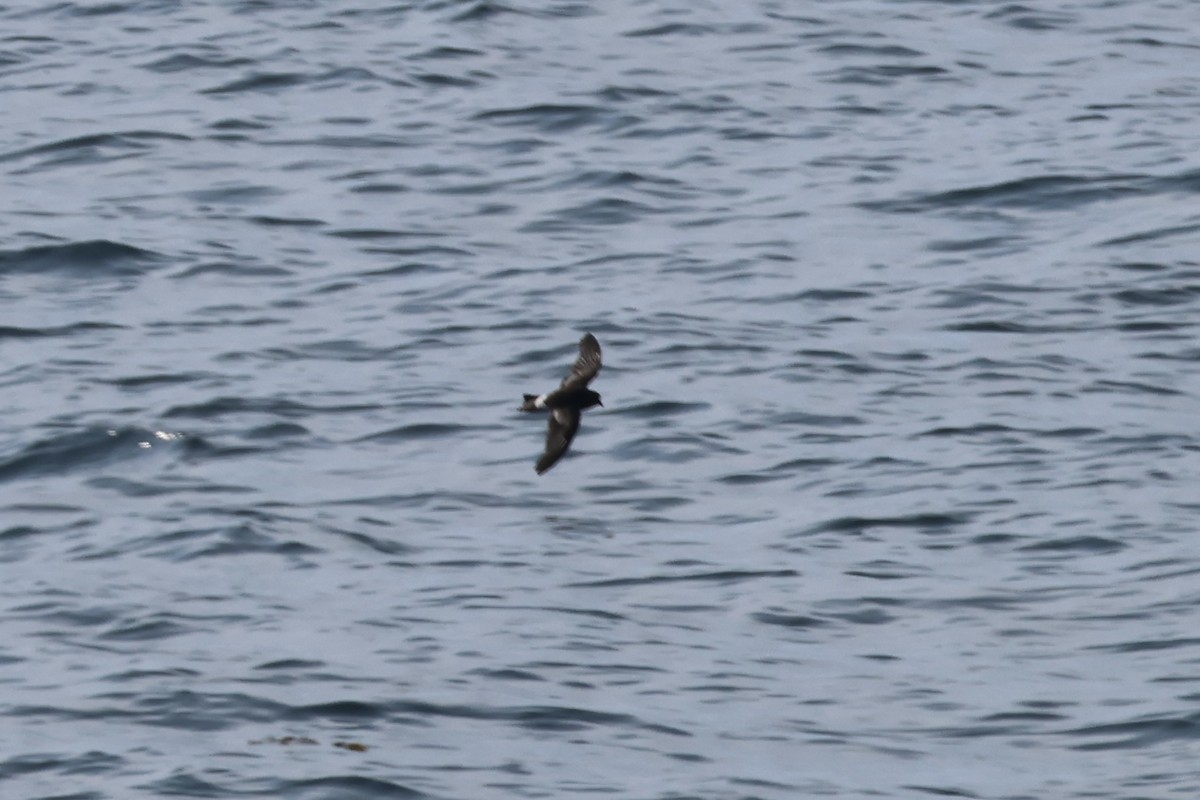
{"x":600,"y":403}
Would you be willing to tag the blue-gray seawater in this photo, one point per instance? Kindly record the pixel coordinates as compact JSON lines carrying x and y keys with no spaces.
{"x":896,"y":489}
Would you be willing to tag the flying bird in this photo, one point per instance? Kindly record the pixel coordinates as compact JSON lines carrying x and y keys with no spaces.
{"x":567,"y":402}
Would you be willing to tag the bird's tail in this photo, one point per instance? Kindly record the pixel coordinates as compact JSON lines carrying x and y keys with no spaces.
{"x":528,"y":405}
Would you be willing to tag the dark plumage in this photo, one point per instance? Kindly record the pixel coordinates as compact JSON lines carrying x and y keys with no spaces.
{"x":567,"y":402}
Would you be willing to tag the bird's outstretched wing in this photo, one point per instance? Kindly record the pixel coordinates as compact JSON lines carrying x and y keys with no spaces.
{"x":564,"y":422}
{"x":586,"y":366}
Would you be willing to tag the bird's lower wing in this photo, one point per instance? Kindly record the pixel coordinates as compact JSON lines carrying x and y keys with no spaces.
{"x":564,"y":422}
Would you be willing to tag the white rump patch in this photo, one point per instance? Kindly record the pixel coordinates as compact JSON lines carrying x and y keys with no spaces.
{"x":540,"y":402}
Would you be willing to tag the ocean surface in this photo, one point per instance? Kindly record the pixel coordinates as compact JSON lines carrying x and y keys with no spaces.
{"x":896,"y":488}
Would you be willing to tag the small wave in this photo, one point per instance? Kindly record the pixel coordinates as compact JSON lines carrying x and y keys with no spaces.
{"x":384,"y":546}
{"x":749,"y":478}
{"x":1151,"y":235}
{"x":552,"y":118}
{"x":877,"y":51}
{"x":165,"y":486}
{"x":1149,"y":645}
{"x":279,"y":407}
{"x":1128,"y":387}
{"x":183,"y":62}
{"x":93,"y":148}
{"x":344,"y":787}
{"x":259,"y":82}
{"x":277,"y":430}
{"x":1148,"y":731}
{"x":481,"y":10}
{"x":1025,"y":17}
{"x":660,"y":408}
{"x":1173,"y":296}
{"x":86,"y":258}
{"x":92,"y":762}
{"x":1044,"y":192}
{"x":446,"y":52}
{"x":602,"y":211}
{"x":152,"y":380}
{"x":79,"y":450}
{"x":886,"y":74}
{"x":421,"y":430}
{"x":1070,"y":544}
{"x":677,"y":449}
{"x":795,"y":621}
{"x":166,"y":626}
{"x":10,"y":332}
{"x":823,"y":296}
{"x":240,"y":539}
{"x":1012,"y":326}
{"x":926,"y":522}
{"x":724,"y":577}
{"x":235,"y":194}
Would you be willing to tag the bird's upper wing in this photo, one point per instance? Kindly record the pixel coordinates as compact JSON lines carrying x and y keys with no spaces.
{"x":586,"y":366}
{"x":564,"y":422}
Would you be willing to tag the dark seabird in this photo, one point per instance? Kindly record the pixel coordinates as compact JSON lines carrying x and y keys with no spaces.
{"x":567,"y":402}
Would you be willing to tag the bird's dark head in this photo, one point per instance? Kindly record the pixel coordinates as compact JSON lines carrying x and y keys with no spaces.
{"x":593,"y":399}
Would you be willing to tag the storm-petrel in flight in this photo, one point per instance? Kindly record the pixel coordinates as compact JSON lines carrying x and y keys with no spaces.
{"x":567,"y":402}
